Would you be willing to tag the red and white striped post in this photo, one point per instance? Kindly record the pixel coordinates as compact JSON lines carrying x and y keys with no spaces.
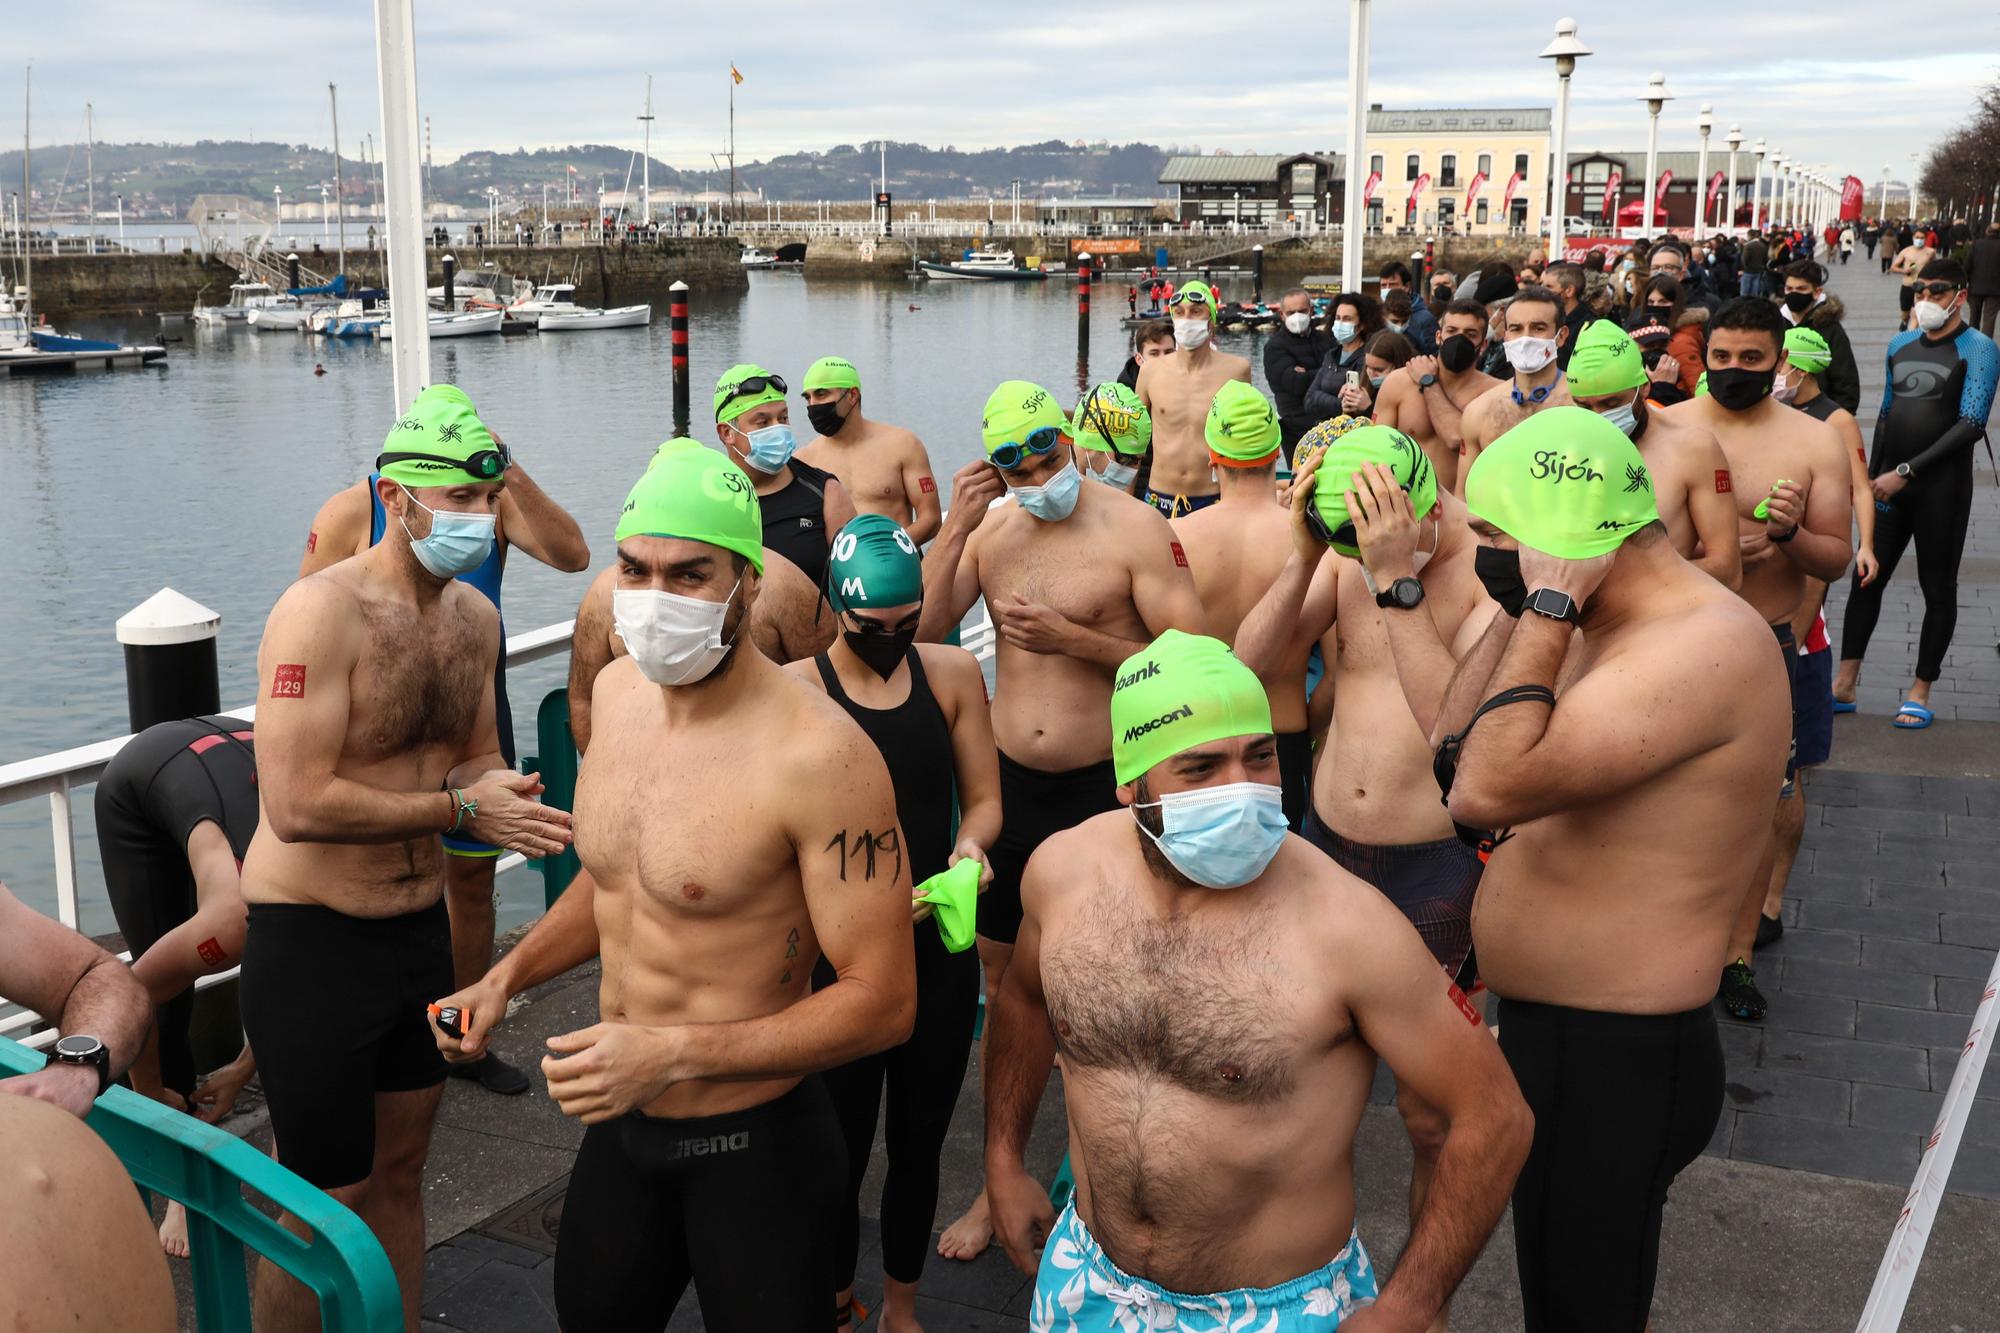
{"x":677,"y":316}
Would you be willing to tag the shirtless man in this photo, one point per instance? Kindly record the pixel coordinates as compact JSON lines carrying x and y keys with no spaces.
{"x":1218,"y":1005}
{"x":1392,"y":614}
{"x":351,"y":521}
{"x":1796,"y":471}
{"x":1627,"y":807}
{"x":1691,"y":482}
{"x":1077,"y":577}
{"x":1909,"y":262}
{"x":884,"y":468}
{"x":1177,"y":390}
{"x":803,"y":506}
{"x":1533,"y":332}
{"x":1235,"y":549}
{"x":1427,"y":399}
{"x":734,"y":824}
{"x":376,"y":734}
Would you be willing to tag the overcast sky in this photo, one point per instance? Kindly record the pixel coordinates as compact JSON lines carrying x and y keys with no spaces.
{"x":1836,"y":82}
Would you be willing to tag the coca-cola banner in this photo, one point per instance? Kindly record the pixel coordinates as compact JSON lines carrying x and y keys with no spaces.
{"x":1368,"y":188}
{"x":1478,"y":184}
{"x":1417,"y":187}
{"x":1852,"y":193}
{"x":1611,"y":188}
{"x":1513,"y":184}
{"x":1708,"y":197}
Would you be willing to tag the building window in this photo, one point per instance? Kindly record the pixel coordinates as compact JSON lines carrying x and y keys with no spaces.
{"x":1375,"y":164}
{"x":1411,"y":167}
{"x":1596,"y":173}
{"x":1521,"y":164}
{"x":1480,"y":213}
{"x":1517,"y":216}
{"x":1446,"y":210}
{"x":1448,"y":170}
{"x":1375,"y":214}
{"x":1486,"y":165}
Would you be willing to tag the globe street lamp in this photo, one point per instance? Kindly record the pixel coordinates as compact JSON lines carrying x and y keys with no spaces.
{"x":1735,"y":142}
{"x":1703,"y":123}
{"x":1757,"y":185}
{"x":1565,"y":50}
{"x":1656,"y":97}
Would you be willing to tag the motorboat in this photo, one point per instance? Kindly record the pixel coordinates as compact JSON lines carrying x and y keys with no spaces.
{"x":450,"y":324}
{"x":477,"y":289}
{"x":987,"y":265}
{"x":243,"y":298}
{"x":286,"y":313}
{"x":752,"y":257}
{"x":550,"y":296}
{"x":356,"y":318}
{"x":26,"y":348}
{"x":617,"y":317}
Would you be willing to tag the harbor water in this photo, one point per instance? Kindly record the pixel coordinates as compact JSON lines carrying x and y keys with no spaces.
{"x":203,"y":475}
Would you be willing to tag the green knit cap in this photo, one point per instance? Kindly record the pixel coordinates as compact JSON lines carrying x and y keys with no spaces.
{"x":1807,"y":350}
{"x":430,"y":444}
{"x":1566,"y":482}
{"x":1606,"y":361}
{"x":731,"y":402}
{"x":1346,"y":455}
{"x":698,"y":495}
{"x":831,"y":372}
{"x":1242,"y":429}
{"x":1112,"y":419}
{"x":1180,"y":691}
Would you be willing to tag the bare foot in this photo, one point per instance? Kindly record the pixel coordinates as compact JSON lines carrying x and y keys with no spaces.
{"x":970,"y":1235}
{"x":174,"y":1231}
{"x":218,"y":1092}
{"x":894,"y":1321}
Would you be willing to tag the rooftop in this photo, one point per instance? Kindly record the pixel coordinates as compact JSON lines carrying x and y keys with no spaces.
{"x":1223,"y":169}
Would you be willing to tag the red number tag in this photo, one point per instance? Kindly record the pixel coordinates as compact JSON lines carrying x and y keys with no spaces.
{"x":926,"y":485}
{"x":1722,"y":482}
{"x":210,"y":951}
{"x":1180,"y":556}
{"x":312,"y":542}
{"x":1464,"y":1005}
{"x":289,"y":681}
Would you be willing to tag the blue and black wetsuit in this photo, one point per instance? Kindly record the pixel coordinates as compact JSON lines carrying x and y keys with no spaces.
{"x":1934,"y":407}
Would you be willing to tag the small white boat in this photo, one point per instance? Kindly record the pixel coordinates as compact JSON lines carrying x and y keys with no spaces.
{"x":988,"y":265}
{"x":447,"y":324}
{"x":752,"y":257}
{"x":243,"y":298}
{"x":286,"y":313}
{"x":477,"y":288}
{"x":549,"y":297}
{"x":349,"y":319}
{"x":618,"y":317}
{"x":25,"y":348}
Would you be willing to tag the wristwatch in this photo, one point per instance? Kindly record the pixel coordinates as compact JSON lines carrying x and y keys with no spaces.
{"x":81,"y":1050}
{"x":1903,"y":471}
{"x":1554,"y":605}
{"x":1425,"y":381}
{"x":1404,"y":594}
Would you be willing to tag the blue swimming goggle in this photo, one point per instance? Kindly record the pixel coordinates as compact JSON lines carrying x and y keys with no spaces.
{"x":1009,"y":456}
{"x":1535,"y":397}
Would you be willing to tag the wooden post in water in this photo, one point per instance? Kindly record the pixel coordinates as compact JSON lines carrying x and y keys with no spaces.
{"x":677,"y":315}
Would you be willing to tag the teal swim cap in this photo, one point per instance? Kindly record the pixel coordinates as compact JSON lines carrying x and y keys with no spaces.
{"x":873,"y":563}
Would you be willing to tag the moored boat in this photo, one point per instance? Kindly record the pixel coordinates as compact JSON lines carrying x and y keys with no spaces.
{"x":617,"y":317}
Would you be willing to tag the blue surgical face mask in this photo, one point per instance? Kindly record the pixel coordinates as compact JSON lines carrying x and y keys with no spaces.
{"x":1119,"y":474}
{"x":1343,"y":330}
{"x":1053,"y":500}
{"x":770,"y":448}
{"x":1220,"y":837}
{"x":458,"y":543}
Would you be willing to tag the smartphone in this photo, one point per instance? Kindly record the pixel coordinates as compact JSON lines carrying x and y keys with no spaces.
{"x":449,"y":1021}
{"x":1353,"y":379}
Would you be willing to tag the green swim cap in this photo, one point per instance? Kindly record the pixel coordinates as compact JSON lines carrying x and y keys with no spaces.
{"x":1242,"y":429}
{"x":430,"y":443}
{"x":873,"y":563}
{"x":1807,"y":350}
{"x":1701,"y":385}
{"x":831,"y":372}
{"x":1016,"y":410}
{"x":1345,"y":457}
{"x":731,"y":403}
{"x":1181,"y":293}
{"x":1112,"y":419}
{"x":1565,"y":481}
{"x":1606,"y":361}
{"x":1180,"y":691}
{"x":698,"y":495}
{"x":955,"y":896}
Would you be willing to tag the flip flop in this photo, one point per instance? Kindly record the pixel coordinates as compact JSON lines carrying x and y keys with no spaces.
{"x":1845,"y":705}
{"x":1922,"y":715}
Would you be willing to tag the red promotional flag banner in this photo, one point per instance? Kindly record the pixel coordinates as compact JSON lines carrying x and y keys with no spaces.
{"x":1417,"y":187}
{"x":1852,"y":193}
{"x":1368,"y":188}
{"x":1611,"y":192}
{"x":1478,"y":183}
{"x":1660,"y":190}
{"x":1708,"y":198}
{"x":1513,"y":184}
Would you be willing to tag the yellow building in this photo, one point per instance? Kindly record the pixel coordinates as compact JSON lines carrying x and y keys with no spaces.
{"x":1453,"y":147}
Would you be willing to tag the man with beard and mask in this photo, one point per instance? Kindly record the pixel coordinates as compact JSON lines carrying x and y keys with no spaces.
{"x":1077,"y":578}
{"x":376,"y":734}
{"x":1219,"y":993}
{"x":803,"y":506}
{"x":1533,"y":333}
{"x":884,"y":469}
{"x":1794,"y":504}
{"x":1624,"y":807}
{"x":1941,"y":377}
{"x":734,"y":825}
{"x":1567,"y":281}
{"x":1691,"y":483}
{"x":924,"y":707}
{"x":1393,"y":607}
{"x":1235,"y":549}
{"x":1428,"y":397}
{"x":1115,"y":431}
{"x":1292,"y":355}
{"x":1177,"y":390}
{"x":1808,"y":305}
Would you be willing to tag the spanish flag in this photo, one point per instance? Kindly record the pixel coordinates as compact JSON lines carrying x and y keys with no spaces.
{"x":736,"y":73}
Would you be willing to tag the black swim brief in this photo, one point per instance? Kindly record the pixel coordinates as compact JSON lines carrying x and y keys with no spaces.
{"x":1177,"y":506}
{"x":1431,"y":883}
{"x":334,"y":1007}
{"x":1295,"y":762}
{"x":1035,"y":806}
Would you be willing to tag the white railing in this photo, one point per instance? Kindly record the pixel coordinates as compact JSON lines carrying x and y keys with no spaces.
{"x":58,"y":776}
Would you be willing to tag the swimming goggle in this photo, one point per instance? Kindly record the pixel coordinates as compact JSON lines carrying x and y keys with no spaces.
{"x":1191,"y":296}
{"x":486,"y":464}
{"x":1009,"y":456}
{"x":755,"y":384}
{"x":1934,"y":288}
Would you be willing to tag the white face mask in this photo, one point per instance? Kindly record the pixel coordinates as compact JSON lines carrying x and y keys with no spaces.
{"x":674,"y":640}
{"x":1931,"y":316}
{"x":1190,"y":333}
{"x":1529,"y":355}
{"x":1119,"y":474}
{"x":1298,"y":323}
{"x":1418,"y":559}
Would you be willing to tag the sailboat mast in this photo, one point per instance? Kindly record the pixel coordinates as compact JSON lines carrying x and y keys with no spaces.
{"x":90,"y":173}
{"x":339,"y":213}
{"x":27,"y":217}
{"x":732,"y":141}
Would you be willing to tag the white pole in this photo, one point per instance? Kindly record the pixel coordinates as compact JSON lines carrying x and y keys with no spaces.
{"x":1882,"y":195}
{"x":121,"y":222}
{"x":1354,"y":227}
{"x":90,"y":172}
{"x":1729,"y":207}
{"x":1703,"y":122}
{"x":339,"y":211}
{"x":646,"y":174}
{"x":1652,"y":162}
{"x":1559,"y":177}
{"x":396,"y":70}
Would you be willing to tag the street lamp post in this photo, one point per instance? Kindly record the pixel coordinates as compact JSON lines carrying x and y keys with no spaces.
{"x":1777,"y":187}
{"x":121,"y":220}
{"x":278,"y":205}
{"x":1565,"y":50}
{"x":1655,"y":98}
{"x":1757,"y":185}
{"x":325,"y":220}
{"x":1353,"y":228}
{"x":1703,"y":123}
{"x":1882,"y":196}
{"x":646,"y":172}
{"x":1735,"y":141}
{"x":1913,"y":188}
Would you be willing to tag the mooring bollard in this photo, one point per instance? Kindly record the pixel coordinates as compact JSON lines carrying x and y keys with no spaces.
{"x":1083,"y":299}
{"x":1257,"y":260}
{"x":677,"y":316}
{"x":292,"y":268}
{"x":450,"y":269}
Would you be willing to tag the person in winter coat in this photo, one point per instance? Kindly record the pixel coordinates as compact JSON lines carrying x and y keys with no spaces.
{"x":1293,"y":354}
{"x":1808,"y":302}
{"x":1666,"y":304}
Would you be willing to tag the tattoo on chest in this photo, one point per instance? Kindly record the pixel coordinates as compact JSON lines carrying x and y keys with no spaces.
{"x":867,"y":851}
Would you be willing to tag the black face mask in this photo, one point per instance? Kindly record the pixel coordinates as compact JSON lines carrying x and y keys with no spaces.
{"x":1798,"y":302}
{"x":1500,"y":574}
{"x":1660,"y":313}
{"x":1738,"y":389}
{"x":825,"y":417}
{"x":882,"y":651}
{"x":1442,"y":295}
{"x":1457,"y":353}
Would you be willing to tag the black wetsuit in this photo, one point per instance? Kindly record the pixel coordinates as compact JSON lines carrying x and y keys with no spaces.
{"x":924,"y":1073}
{"x":1934,"y":407}
{"x":795,"y":519}
{"x":167,"y":780}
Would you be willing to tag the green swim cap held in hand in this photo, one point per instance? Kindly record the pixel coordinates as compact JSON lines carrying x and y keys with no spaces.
{"x":698,"y":495}
{"x":954,"y":894}
{"x":1112,"y":419}
{"x":1566,"y":482}
{"x":1807,"y":350}
{"x":1763,"y":510}
{"x":873,"y":563}
{"x":1346,"y":456}
{"x":440,"y":441}
{"x":732,"y":400}
{"x":1015,"y":411}
{"x":1242,"y":427}
{"x":1606,"y":361}
{"x":831,"y":372}
{"x":1180,"y":691}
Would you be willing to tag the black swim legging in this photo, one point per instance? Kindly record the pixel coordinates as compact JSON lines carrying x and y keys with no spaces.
{"x":1622,"y":1103}
{"x":1934,"y":511}
{"x":737,"y":1203}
